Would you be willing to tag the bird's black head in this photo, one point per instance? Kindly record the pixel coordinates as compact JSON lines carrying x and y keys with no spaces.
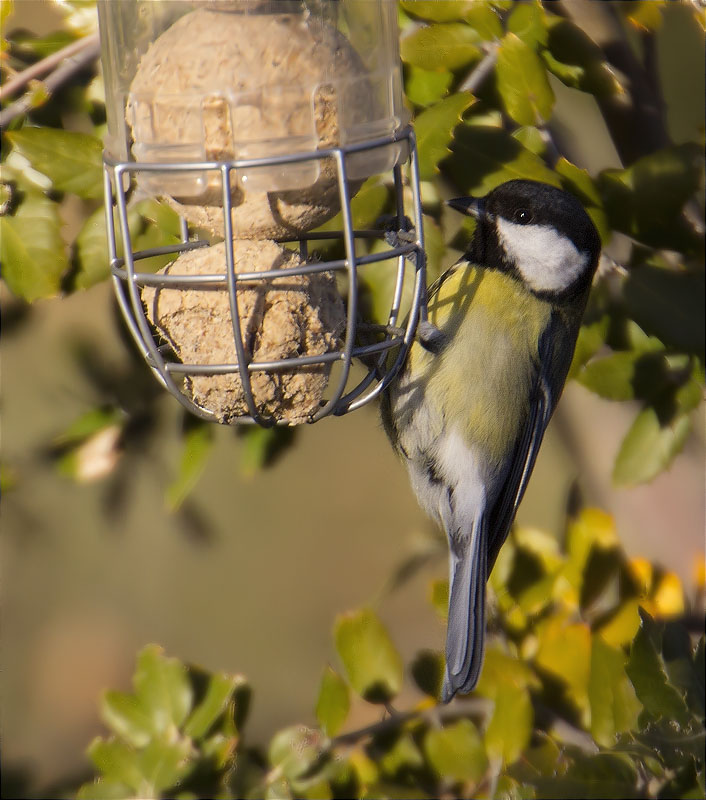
{"x":536,"y":232}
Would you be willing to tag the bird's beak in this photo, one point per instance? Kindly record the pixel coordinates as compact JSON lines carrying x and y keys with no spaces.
{"x":471,"y":206}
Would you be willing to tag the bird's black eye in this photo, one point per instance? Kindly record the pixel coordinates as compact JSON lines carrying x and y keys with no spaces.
{"x":522,"y":216}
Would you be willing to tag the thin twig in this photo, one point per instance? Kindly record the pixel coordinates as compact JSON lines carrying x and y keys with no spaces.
{"x":46,"y":65}
{"x":460,"y":708}
{"x":59,"y":76}
{"x":478,"y":75}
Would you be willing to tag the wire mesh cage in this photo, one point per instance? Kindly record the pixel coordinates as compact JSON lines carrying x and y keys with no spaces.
{"x":261,"y":316}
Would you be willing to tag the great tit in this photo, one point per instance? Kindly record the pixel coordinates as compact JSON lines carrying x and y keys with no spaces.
{"x":481,"y":381}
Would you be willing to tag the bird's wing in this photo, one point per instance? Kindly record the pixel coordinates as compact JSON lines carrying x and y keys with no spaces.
{"x":556,"y":349}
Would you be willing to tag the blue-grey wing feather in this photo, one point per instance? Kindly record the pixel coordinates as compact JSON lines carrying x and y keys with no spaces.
{"x":556,"y":349}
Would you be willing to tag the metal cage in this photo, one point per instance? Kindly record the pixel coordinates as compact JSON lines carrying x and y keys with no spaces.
{"x":381,"y":358}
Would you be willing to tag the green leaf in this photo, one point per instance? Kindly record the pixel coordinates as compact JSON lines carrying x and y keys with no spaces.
{"x":480,"y":16}
{"x":437,"y":10}
{"x":484,"y":19}
{"x":588,"y":777}
{"x":576,"y":60}
{"x":590,"y":340}
{"x":164,"y":765}
{"x":104,"y":790}
{"x":117,"y":762}
{"x":402,"y":757}
{"x":646,"y":200}
{"x":531,"y":138}
{"x":668,"y":304}
{"x":333,"y":702}
{"x":219,"y":694}
{"x":522,"y":82}
{"x":163,"y":688}
{"x":579,"y":182}
{"x":32,"y":251}
{"x":649,"y":447}
{"x":72,"y":161}
{"x":372,"y":663}
{"x":646,"y":669}
{"x":195,"y":451}
{"x":424,"y":87}
{"x":262,"y":446}
{"x":612,"y":376}
{"x":295,"y":750}
{"x":434,"y":128}
{"x":484,"y":157}
{"x":565,"y":652}
{"x":614,"y":706}
{"x":88,"y":424}
{"x":527,"y":21}
{"x":510,"y":728}
{"x":124,"y":714}
{"x":441,"y":46}
{"x":456,"y":752}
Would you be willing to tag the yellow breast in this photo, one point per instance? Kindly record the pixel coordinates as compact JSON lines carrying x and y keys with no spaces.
{"x":482,"y":380}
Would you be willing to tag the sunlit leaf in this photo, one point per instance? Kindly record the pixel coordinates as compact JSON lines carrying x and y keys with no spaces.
{"x":441,"y":46}
{"x":510,"y":727}
{"x":117,"y":762}
{"x":164,"y":765}
{"x":434,"y":128}
{"x":565,"y":652}
{"x":614,"y":706}
{"x":424,"y":87}
{"x":294,"y":750}
{"x":527,"y":22}
{"x":72,"y":161}
{"x":163,"y":688}
{"x":124,"y":714}
{"x":649,"y":447}
{"x":333,"y":702}
{"x":32,"y":252}
{"x":219,"y":693}
{"x":590,"y":340}
{"x":456,"y":752}
{"x":522,"y":82}
{"x":622,"y":626}
{"x":371,"y":661}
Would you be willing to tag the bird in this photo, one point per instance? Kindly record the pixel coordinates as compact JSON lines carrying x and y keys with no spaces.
{"x":469,"y":408}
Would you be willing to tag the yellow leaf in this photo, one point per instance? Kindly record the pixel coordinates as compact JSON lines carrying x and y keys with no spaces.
{"x":565,"y":651}
{"x":641,"y":572}
{"x":623,"y":626}
{"x":669,"y":596}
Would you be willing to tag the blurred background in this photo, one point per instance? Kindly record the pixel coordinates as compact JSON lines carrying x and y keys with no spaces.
{"x":249,"y":575}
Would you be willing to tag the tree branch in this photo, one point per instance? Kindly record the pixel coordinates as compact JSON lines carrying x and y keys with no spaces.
{"x":47,"y":64}
{"x":64,"y":72}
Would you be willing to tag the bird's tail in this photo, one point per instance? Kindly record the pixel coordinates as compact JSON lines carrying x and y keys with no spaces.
{"x":465,"y":636}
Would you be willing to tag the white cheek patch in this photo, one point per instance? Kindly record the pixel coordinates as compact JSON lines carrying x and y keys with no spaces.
{"x":547,"y":261}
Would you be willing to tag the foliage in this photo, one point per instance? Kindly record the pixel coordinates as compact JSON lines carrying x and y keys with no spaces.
{"x":592,"y":684}
{"x":592,"y":687}
{"x":479,"y":77}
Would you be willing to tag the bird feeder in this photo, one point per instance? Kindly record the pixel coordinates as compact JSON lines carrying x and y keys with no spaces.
{"x":258,"y":123}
